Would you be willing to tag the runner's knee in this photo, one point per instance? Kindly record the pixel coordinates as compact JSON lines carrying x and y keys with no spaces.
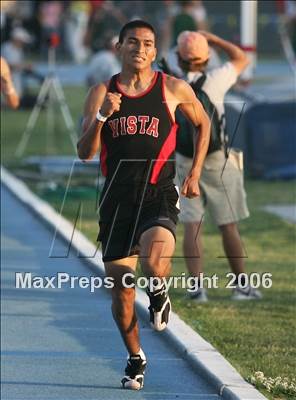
{"x":156,"y":266}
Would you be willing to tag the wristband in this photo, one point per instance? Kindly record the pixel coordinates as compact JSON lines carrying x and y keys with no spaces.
{"x":101,"y":117}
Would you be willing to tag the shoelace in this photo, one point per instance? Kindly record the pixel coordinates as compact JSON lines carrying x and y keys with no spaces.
{"x":156,"y":297}
{"x":158,"y":292}
{"x":135,"y":366}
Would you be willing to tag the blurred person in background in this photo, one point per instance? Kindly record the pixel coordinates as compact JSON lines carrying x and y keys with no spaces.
{"x":221,"y":182}
{"x":167,"y":14}
{"x":135,"y":9}
{"x":191,"y":16}
{"x":51,"y":14}
{"x":13,"y":52}
{"x":185,"y":16}
{"x":20,"y":14}
{"x":77,"y":17}
{"x":104,"y":63}
{"x":290,"y":19}
{"x":105,"y":19}
{"x":7,"y":89}
{"x":8,"y":8}
{"x":287,"y":29}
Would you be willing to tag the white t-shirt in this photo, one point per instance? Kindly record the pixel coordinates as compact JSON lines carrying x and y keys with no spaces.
{"x":103,"y":65}
{"x":218,"y":82}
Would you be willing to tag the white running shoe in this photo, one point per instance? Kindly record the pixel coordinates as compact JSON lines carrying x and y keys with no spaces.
{"x":199,"y":295}
{"x":134,"y":372}
{"x":247,"y":293}
{"x":160,"y":308}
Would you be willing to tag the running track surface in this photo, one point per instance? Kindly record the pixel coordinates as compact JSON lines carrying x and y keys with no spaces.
{"x":62,"y":343}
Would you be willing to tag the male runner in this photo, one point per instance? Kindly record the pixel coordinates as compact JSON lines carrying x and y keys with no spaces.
{"x":131,"y":118}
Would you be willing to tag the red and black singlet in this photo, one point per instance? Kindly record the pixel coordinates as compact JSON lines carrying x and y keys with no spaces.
{"x":138,"y":141}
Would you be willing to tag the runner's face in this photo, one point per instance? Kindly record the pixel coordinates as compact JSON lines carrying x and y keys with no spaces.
{"x":138,"y":49}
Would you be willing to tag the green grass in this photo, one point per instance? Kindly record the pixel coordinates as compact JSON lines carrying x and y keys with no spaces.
{"x":13,"y":124}
{"x":253,"y":336}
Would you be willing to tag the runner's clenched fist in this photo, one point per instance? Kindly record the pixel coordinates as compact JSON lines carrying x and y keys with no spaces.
{"x":111,"y":104}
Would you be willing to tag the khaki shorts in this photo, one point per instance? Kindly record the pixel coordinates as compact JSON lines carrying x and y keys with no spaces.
{"x":222,"y":193}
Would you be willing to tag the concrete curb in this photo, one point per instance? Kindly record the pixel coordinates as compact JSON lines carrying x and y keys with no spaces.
{"x":201,"y":355}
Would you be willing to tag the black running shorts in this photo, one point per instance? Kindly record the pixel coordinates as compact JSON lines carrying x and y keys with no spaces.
{"x":128,"y":212}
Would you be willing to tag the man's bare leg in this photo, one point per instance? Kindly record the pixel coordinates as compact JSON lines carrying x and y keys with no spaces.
{"x":193,"y":254}
{"x":157,"y":246}
{"x":235,"y":253}
{"x":124,"y":314}
{"x":233,"y":247}
{"x":123,"y":302}
{"x":192,"y":248}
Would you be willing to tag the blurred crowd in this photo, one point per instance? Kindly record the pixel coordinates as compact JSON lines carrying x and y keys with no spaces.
{"x":87,"y":31}
{"x":84,"y":26}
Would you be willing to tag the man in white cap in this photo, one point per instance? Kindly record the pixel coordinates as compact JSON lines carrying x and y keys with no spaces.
{"x":104,"y":64}
{"x":221,"y":182}
{"x":13,"y":52}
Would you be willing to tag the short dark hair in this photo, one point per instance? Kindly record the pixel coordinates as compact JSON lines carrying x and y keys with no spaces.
{"x":138,"y":23}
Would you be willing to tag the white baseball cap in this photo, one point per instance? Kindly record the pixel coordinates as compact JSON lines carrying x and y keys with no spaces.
{"x":193,"y":45}
{"x":21,"y":34}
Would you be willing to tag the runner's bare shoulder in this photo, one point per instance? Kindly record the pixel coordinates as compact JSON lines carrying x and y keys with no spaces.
{"x":95,"y":97}
{"x":177,"y":87}
{"x":100,"y":89}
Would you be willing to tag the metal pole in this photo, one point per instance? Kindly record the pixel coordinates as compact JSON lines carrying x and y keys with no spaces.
{"x":249,"y":35}
{"x":50,"y":117}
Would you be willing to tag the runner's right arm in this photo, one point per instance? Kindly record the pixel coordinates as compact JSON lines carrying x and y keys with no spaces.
{"x":97,"y":100}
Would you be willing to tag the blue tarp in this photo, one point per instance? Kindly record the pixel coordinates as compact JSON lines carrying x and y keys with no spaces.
{"x":271,"y":139}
